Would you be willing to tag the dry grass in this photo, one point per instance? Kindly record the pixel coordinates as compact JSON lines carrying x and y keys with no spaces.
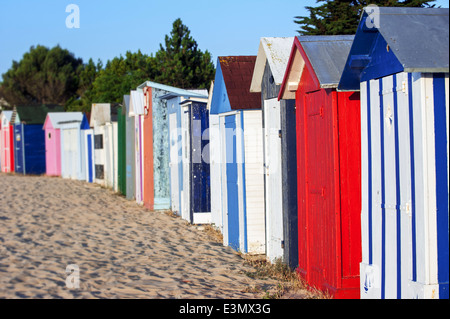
{"x":213,"y":233}
{"x":290,"y":284}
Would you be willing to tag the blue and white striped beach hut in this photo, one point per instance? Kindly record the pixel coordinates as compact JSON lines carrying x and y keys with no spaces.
{"x":404,"y":132}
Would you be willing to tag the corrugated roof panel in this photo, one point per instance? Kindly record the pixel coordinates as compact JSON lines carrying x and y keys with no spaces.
{"x":327,"y":55}
{"x":7,"y":114}
{"x":58,"y":120}
{"x":416,"y":38}
{"x":237,"y":73}
{"x":419,"y":37}
{"x":276,"y":51}
{"x":175,"y":91}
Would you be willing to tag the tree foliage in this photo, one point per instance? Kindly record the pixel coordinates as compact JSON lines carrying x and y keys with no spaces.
{"x":333,"y":17}
{"x":84,"y":95}
{"x":121,"y":75}
{"x":181,"y":63}
{"x":43,"y":76}
{"x":55,"y":76}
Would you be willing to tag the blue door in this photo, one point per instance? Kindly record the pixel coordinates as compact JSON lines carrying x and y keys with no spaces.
{"x":201,"y":189}
{"x":90,"y":155}
{"x":34,"y":149}
{"x":232,"y":182}
{"x":19,"y":149}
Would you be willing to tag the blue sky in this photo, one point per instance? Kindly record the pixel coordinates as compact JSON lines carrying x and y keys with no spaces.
{"x":110,"y":28}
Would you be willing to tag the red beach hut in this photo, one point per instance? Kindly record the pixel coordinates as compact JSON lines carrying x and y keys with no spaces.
{"x":329,"y":164}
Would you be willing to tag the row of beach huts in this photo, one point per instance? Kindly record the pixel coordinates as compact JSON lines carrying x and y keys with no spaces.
{"x":329,"y":153}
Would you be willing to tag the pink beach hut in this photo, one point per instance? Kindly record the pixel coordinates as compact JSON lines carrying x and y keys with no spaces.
{"x":7,"y":144}
{"x":53,"y":143}
{"x":52,"y":127}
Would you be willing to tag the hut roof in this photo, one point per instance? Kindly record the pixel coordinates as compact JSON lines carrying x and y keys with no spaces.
{"x":100,"y":114}
{"x":35,"y":114}
{"x":274,"y":51}
{"x":59,"y":119}
{"x":411,"y":39}
{"x":237,"y":72}
{"x":173,"y":91}
{"x":126,"y":105}
{"x":324,"y":56}
{"x":7,"y":114}
{"x":136,"y":103}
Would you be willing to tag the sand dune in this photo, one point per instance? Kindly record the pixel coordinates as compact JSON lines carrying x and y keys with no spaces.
{"x":121,"y":249}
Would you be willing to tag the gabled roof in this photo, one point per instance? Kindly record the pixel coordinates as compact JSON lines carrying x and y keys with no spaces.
{"x":35,"y":114}
{"x":136,"y":103}
{"x":100,"y":114}
{"x":323,"y":56}
{"x":274,"y":51}
{"x":237,"y":74}
{"x":126,"y":105}
{"x":210,"y":94}
{"x":397,"y":40}
{"x":7,"y":114}
{"x":61,"y":119}
{"x":173,"y":91}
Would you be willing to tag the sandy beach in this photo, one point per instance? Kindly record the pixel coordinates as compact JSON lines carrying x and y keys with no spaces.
{"x":120,"y":249}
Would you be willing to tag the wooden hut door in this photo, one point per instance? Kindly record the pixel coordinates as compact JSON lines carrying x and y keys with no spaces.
{"x":174,"y":144}
{"x":109,"y":156}
{"x":272,"y":144}
{"x":90,"y":154}
{"x":320,"y":177}
{"x":186,"y":155}
{"x":232,"y":182}
{"x":6,"y":152}
{"x":19,"y":150}
{"x":138,"y":159}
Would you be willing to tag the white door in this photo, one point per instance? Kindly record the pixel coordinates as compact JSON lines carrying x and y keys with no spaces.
{"x":273,"y":182}
{"x":137,"y":127}
{"x":223,"y":200}
{"x":109,"y":179}
{"x":254,"y":181}
{"x":215,"y":171}
{"x":69,"y":163}
{"x":173,"y":164}
{"x":115,"y":142}
{"x":186,"y":157}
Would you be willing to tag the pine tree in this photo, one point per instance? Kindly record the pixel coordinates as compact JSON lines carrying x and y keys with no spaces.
{"x":43,"y":76}
{"x":181,"y":63}
{"x":121,"y":75}
{"x":342,"y":17}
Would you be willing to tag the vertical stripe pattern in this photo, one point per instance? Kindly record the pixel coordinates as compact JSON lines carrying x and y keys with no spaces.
{"x":441,"y":144}
{"x":383,"y":195}
{"x":405,"y":214}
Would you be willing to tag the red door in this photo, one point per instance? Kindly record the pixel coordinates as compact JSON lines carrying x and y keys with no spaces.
{"x":321,"y":188}
{"x":349,"y":127}
{"x":329,"y":191}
